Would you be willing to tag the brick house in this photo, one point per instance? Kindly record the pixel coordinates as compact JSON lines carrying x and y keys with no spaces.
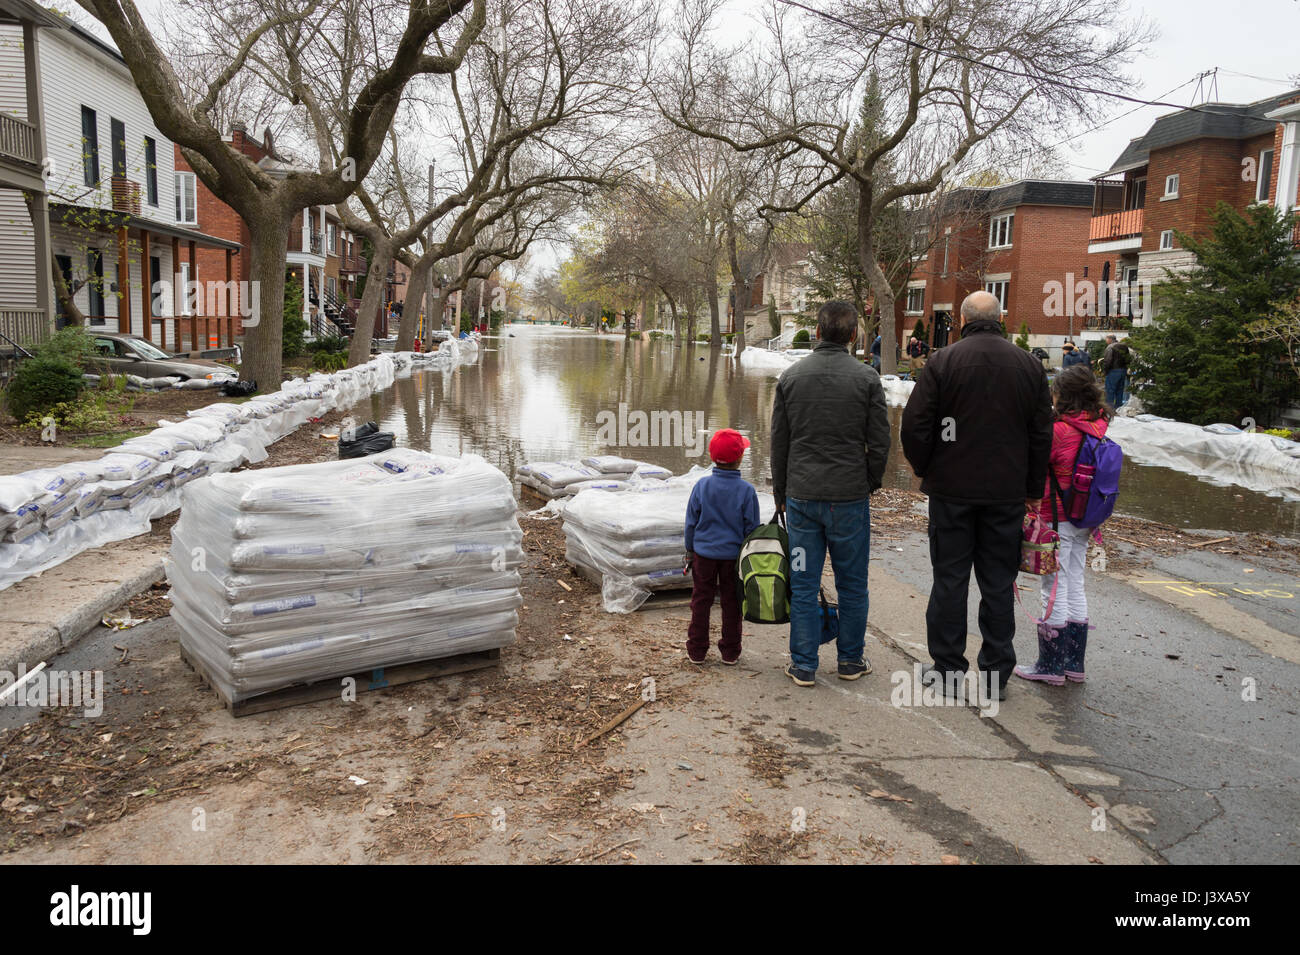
{"x":1171,"y":178}
{"x":1026,"y":242}
{"x":322,"y":257}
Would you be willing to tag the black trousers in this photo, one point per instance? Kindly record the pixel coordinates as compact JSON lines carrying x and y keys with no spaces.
{"x":987,"y":538}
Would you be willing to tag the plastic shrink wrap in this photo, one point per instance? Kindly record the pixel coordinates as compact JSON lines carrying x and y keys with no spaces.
{"x":299,"y":574}
{"x":634,"y":541}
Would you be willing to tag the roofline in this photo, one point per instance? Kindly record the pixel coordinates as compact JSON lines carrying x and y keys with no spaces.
{"x":25,"y":11}
{"x":115,"y":220}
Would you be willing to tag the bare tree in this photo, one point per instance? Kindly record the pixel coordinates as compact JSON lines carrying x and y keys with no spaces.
{"x":285,"y":36}
{"x":952,"y":78}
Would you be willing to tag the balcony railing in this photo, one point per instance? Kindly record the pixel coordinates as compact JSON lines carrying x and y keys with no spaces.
{"x":126,"y":196}
{"x":352,"y":263}
{"x":1116,"y":225}
{"x":316,"y":243}
{"x":18,"y":139}
{"x":21,"y":326}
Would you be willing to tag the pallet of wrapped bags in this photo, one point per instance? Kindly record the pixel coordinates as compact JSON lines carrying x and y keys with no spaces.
{"x":633,"y":541}
{"x":558,"y":479}
{"x":299,"y":576}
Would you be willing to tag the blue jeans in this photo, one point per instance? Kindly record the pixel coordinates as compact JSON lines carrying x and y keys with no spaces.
{"x":843,"y":528}
{"x":1115,"y":379}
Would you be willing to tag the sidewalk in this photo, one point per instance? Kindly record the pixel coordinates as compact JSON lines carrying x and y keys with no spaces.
{"x":49,"y":613}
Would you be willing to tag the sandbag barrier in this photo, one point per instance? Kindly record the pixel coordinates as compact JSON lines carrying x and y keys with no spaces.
{"x":49,"y":515}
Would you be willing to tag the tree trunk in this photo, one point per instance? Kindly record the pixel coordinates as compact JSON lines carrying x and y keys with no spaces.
{"x":880,"y":290}
{"x":381,"y":258}
{"x":65,"y":296}
{"x":690,"y":326}
{"x":408,"y":326}
{"x":264,"y":331}
{"x":739,"y":290}
{"x":715,"y":321}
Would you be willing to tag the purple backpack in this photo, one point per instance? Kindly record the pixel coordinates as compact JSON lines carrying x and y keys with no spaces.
{"x":1094,"y":485}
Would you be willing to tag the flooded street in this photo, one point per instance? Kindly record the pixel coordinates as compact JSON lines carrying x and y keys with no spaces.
{"x":537,"y":391}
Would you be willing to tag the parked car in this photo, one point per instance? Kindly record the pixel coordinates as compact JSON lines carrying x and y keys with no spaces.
{"x":124,"y":354}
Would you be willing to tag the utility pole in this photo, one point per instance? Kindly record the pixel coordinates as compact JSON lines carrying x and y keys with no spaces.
{"x":431,"y":294}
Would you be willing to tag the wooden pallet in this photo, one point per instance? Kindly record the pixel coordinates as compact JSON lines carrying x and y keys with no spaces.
{"x":366,"y":680}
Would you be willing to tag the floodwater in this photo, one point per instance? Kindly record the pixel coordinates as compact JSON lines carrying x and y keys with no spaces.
{"x":542,"y":393}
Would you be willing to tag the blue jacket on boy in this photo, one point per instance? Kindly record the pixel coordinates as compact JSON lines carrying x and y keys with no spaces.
{"x":722,"y":512}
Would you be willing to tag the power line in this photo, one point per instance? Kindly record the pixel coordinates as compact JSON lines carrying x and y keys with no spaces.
{"x":1045,"y":80}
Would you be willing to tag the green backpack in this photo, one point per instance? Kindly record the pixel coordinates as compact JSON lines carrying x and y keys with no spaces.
{"x":763,"y":574}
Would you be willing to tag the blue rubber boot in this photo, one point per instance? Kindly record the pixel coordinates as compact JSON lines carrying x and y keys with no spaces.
{"x":1076,"y":642}
{"x":1050,"y":668}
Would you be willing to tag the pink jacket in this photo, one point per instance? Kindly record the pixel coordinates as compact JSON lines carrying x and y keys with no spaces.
{"x":1066,"y":439}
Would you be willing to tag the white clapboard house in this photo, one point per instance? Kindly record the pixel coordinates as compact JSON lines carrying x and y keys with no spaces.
{"x":76,"y":135}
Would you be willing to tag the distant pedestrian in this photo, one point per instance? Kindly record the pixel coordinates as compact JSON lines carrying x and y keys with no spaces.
{"x":830,"y":442}
{"x":1114,"y":365}
{"x":977,"y":430}
{"x":875,"y":354}
{"x":1063,"y":633}
{"x":1071,"y":355}
{"x":721,"y":513}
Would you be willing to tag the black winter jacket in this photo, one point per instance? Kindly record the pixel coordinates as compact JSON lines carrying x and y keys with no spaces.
{"x":978,"y":426}
{"x":830,"y":428}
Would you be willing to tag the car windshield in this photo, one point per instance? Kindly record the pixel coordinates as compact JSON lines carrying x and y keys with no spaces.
{"x":146,"y":350}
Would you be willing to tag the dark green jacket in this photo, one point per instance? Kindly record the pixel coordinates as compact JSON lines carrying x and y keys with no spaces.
{"x":830,"y":428}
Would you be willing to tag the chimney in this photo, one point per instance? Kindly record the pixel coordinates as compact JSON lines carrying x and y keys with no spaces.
{"x":237,"y":130}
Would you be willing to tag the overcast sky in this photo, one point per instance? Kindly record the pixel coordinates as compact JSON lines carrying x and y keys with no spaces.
{"x":1253,"y":45}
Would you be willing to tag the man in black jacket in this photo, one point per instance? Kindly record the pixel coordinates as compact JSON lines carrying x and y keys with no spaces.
{"x":830,"y":439}
{"x":978,"y":430}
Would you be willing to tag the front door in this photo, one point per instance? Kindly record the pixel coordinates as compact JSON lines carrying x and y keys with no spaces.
{"x":65,"y":269}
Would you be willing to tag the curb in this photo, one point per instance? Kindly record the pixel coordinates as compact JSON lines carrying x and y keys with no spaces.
{"x":70,"y":629}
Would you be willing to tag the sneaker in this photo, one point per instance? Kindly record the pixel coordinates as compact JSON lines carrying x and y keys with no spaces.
{"x":801,"y":676}
{"x":852,"y":670}
{"x":732,"y":661}
{"x":696,"y":660}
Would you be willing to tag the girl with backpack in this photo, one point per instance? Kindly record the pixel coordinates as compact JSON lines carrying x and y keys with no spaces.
{"x":1081,"y":411}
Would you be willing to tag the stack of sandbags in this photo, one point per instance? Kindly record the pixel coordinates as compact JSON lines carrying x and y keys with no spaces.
{"x":607,"y":472}
{"x":634,"y":540}
{"x":298,"y":574}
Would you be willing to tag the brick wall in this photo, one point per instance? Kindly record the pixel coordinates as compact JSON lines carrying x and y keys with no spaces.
{"x":220,"y":220}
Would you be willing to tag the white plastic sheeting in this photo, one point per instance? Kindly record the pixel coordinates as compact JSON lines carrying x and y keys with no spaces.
{"x":608,"y":472}
{"x":764,"y":362}
{"x":298,"y":574}
{"x":139,"y":480}
{"x":1258,"y":462}
{"x":635,"y":539}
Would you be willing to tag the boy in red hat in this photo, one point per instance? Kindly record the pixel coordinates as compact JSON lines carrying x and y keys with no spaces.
{"x":722,"y":512}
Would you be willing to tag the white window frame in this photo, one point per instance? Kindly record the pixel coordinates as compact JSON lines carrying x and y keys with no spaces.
{"x":331,"y":238}
{"x":907,"y":306}
{"x":921,"y":244}
{"x":1167,"y":240}
{"x":1001,"y":230}
{"x":1264,"y":181}
{"x":1172,"y":179}
{"x":999,"y":289}
{"x":184,"y":269}
{"x":187,"y":198}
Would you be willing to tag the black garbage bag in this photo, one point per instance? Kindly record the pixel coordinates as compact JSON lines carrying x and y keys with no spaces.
{"x":364,"y":439}
{"x":239,"y":389}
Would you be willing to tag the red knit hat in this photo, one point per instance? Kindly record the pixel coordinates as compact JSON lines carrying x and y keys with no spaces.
{"x":727,"y":446}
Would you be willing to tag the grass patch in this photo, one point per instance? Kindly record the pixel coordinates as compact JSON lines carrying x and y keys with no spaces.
{"x":110,"y":439}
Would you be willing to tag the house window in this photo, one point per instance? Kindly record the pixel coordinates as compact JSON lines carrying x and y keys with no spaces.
{"x":999,"y":291}
{"x":184,"y":290}
{"x":921,"y":243}
{"x":1000,"y":231}
{"x":1166,"y":240}
{"x":89,"y":146}
{"x":117,"y":129}
{"x":331,"y":237}
{"x":95,"y":270}
{"x":1171,"y":186}
{"x":945,"y":256}
{"x":915,"y":299}
{"x":1265,"y":173}
{"x":151,"y":170}
{"x":186,"y":202}
{"x":331,"y":287}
